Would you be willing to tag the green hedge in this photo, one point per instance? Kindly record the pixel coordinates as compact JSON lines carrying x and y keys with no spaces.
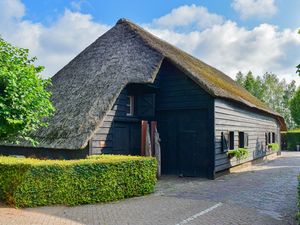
{"x":298,"y":214}
{"x":292,"y":138}
{"x":33,"y":182}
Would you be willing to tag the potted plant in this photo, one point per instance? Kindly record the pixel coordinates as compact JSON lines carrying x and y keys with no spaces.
{"x":239,"y":153}
{"x":273,"y":147}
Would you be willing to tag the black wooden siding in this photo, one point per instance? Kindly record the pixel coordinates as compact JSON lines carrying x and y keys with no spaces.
{"x":178,"y":91}
{"x":175,"y":91}
{"x":233,"y":117}
{"x":179,"y":94}
{"x":114,"y":118}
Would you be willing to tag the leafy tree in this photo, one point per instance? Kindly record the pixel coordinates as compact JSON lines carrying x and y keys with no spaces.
{"x":298,"y":67}
{"x":252,"y":84}
{"x":295,"y":107}
{"x":24,"y":100}
{"x":240,"y":78}
{"x":274,"y":92}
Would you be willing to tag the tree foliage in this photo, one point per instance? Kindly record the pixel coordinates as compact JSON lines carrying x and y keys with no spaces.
{"x":298,"y":67}
{"x":24,"y":100}
{"x":272,"y":91}
{"x":295,"y":107}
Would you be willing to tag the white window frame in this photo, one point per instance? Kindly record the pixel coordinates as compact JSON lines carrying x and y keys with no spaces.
{"x":130,"y":105}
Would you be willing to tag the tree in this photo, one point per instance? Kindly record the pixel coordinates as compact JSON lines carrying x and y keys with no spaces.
{"x":24,"y":100}
{"x":295,"y":107}
{"x":298,"y":67}
{"x":252,"y":84}
{"x":272,"y":91}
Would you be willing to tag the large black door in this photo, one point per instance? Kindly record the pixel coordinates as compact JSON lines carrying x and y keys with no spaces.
{"x":184,"y":142}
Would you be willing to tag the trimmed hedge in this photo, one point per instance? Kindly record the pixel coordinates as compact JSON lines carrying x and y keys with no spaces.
{"x":298,"y":214}
{"x":33,"y":182}
{"x":292,"y":138}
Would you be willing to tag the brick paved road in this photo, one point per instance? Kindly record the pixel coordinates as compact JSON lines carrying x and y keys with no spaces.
{"x":264,"y":194}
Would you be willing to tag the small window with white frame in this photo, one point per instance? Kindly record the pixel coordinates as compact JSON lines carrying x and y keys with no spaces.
{"x":130,"y":105}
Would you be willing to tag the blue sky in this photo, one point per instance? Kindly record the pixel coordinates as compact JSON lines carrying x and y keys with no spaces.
{"x":231,"y":35}
{"x":142,"y":11}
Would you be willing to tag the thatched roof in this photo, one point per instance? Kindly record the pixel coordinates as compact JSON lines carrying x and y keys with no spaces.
{"x":86,"y":88}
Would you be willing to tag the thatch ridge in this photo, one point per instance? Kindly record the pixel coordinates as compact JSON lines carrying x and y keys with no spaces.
{"x":87,"y":87}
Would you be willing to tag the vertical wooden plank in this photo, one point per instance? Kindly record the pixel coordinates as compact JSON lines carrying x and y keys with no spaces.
{"x":143,"y":137}
{"x":153,"y":128}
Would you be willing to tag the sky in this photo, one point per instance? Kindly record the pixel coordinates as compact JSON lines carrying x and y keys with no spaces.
{"x":231,"y":35}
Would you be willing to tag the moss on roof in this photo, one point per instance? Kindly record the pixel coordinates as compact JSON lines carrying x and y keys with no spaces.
{"x":217,"y":80}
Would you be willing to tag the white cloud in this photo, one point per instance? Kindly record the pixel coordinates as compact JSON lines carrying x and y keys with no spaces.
{"x":78,"y":4}
{"x":222,"y":44}
{"x":11,"y":9}
{"x":54,"y":45}
{"x":254,"y":8}
{"x":231,"y":48}
{"x":188,"y":16}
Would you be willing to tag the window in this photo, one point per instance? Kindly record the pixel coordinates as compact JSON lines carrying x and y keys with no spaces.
{"x":130,"y":106}
{"x":102,"y":144}
{"x":231,"y":140}
{"x":269,"y":138}
{"x":243,"y":140}
{"x":224,"y":141}
{"x":273,"y":137}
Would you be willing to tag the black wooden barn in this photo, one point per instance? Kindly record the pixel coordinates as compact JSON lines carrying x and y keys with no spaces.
{"x":128,"y":75}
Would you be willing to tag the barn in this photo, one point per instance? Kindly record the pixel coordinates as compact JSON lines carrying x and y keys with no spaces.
{"x":128,"y":76}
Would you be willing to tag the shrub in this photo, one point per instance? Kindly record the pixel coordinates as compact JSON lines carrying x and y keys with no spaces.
{"x":240,"y":153}
{"x":24,"y":95}
{"x":298,"y":214}
{"x":293,"y":139}
{"x":33,"y":182}
{"x":273,"y":146}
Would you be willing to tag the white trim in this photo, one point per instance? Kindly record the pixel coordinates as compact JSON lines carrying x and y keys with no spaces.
{"x":130,"y":105}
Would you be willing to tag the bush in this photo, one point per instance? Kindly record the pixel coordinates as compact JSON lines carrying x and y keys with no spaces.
{"x":298,"y":214}
{"x":240,"y":153}
{"x":24,"y":95}
{"x":273,"y":146}
{"x":293,"y":139}
{"x":33,"y":182}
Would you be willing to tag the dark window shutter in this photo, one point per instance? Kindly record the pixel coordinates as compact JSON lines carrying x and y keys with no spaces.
{"x":146,"y":106}
{"x":225,"y":141}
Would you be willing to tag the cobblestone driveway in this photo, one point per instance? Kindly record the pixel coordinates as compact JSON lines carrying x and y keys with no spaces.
{"x":265,"y":194}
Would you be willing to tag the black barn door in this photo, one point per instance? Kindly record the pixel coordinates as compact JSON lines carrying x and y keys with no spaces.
{"x":184,"y":142}
{"x":127,"y":138}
